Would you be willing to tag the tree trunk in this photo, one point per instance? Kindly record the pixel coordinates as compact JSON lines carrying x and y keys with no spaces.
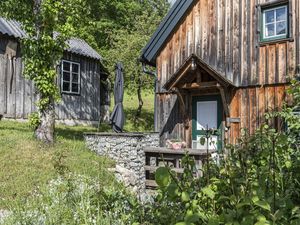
{"x":141,"y":103}
{"x":45,"y":131}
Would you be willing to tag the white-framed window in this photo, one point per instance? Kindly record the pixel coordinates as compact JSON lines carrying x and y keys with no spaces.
{"x":70,"y":77}
{"x":275,"y":22}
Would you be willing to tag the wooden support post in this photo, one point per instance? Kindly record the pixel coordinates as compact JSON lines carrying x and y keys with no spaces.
{"x":224,"y":100}
{"x":183,"y":107}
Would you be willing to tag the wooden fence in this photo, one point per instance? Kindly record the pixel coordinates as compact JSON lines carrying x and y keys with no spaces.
{"x":158,"y":157}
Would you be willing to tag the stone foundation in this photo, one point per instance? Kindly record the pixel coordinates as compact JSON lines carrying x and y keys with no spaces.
{"x":126,"y":149}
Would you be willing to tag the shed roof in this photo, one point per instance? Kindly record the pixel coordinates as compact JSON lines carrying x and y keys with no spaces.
{"x":165,"y":29}
{"x":11,"y":28}
{"x":77,"y":46}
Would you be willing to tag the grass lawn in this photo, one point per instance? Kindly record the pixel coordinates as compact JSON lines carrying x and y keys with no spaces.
{"x":26,"y":165}
{"x":146,"y":121}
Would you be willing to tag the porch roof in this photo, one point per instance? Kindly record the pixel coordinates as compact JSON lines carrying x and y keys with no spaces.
{"x":191,"y":64}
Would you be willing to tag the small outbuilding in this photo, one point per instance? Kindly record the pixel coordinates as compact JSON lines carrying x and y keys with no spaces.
{"x":81,"y":80}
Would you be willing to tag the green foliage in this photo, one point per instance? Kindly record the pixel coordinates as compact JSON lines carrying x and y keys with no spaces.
{"x":118,"y":29}
{"x":48,"y":24}
{"x":34,"y":120}
{"x":257,"y":182}
{"x":27,"y":164}
{"x":75,"y":199}
{"x":126,"y":45}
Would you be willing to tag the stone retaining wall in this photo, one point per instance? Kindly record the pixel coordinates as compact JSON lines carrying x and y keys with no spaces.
{"x":126,"y":149}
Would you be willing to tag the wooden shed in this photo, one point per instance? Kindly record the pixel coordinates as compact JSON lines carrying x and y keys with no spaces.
{"x":79,"y":80}
{"x":222,"y":64}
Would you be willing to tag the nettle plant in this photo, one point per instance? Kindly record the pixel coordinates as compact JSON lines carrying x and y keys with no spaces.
{"x":257,"y":182}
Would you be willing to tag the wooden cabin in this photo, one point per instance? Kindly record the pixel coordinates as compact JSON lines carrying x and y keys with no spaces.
{"x":79,"y":80}
{"x":222,"y":64}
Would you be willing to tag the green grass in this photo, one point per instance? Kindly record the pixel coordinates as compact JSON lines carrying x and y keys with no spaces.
{"x":26,"y":164}
{"x":146,"y":121}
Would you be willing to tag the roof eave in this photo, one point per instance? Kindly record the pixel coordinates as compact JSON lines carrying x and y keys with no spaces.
{"x":165,"y":29}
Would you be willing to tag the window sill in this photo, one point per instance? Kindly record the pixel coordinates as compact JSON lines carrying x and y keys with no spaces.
{"x":278,"y":41}
{"x":72,"y":94}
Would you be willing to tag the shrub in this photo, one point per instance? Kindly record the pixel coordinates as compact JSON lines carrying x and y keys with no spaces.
{"x":74,"y":199}
{"x":34,"y":120}
{"x":257,"y":182}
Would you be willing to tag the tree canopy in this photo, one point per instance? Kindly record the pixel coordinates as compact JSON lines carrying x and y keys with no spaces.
{"x":118,"y":29}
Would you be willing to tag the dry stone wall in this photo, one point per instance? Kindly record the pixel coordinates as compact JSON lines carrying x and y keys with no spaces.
{"x":126,"y":149}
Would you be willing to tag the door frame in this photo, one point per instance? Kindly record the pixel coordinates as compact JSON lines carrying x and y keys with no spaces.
{"x":220,"y":109}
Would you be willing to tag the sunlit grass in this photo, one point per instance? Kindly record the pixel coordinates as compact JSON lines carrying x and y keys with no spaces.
{"x":146,"y":121}
{"x":26,"y":164}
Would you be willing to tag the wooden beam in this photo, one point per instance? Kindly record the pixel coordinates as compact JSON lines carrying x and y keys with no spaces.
{"x":151,"y":184}
{"x":181,"y":152}
{"x":152,"y":169}
{"x":203,"y":85}
{"x":180,"y":76}
{"x":183,"y":107}
{"x":224,"y":100}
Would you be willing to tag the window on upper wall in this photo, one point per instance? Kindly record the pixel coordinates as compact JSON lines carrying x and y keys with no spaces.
{"x":70,"y":77}
{"x":275,"y":23}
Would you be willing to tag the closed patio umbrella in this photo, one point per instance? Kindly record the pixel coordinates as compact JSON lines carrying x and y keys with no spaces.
{"x":117,"y":117}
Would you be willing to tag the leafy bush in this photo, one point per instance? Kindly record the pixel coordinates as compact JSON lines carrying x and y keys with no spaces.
{"x":34,"y":120}
{"x":256,"y":182}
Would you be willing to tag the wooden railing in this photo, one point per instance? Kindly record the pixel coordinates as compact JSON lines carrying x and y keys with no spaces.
{"x":158,"y":157}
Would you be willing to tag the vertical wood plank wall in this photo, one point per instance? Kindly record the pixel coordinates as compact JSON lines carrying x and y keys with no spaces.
{"x":18,"y":100}
{"x":17,"y":95}
{"x":85,"y":106}
{"x":226,"y":34}
{"x":250,"y":105}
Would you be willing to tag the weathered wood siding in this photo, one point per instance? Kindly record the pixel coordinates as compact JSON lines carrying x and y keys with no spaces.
{"x":226,"y":35}
{"x":18,"y":96}
{"x":251,"y":104}
{"x":85,"y":106}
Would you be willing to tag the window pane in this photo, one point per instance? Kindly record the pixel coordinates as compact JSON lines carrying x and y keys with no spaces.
{"x":207,"y":115}
{"x":75,"y":68}
{"x":75,"y":88}
{"x":66,"y":86}
{"x":66,"y":66}
{"x":281,"y":14}
{"x":66,"y":76}
{"x":270,"y":31}
{"x":270,"y":16}
{"x":75,"y":78}
{"x":281,"y":28}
